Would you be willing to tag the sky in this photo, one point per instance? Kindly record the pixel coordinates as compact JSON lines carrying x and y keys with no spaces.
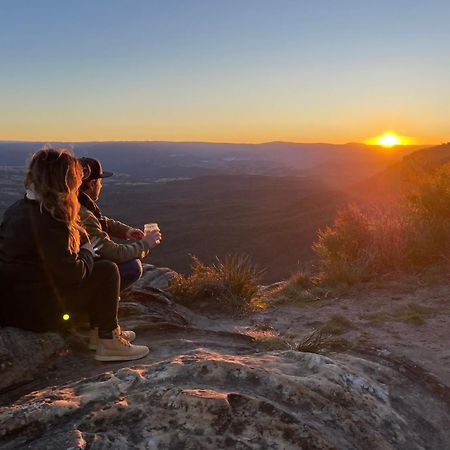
{"x":224,"y":71}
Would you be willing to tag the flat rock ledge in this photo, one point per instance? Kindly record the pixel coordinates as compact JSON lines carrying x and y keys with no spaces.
{"x":207,"y":400}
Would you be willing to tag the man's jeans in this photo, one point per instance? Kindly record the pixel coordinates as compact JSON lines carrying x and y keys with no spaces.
{"x":130,"y":271}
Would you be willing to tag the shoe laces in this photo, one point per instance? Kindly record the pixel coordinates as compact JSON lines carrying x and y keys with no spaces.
{"x":121,"y":339}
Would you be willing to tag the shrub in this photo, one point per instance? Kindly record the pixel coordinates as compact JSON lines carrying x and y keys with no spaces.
{"x":429,"y":208}
{"x":231,"y":283}
{"x":362,"y":244}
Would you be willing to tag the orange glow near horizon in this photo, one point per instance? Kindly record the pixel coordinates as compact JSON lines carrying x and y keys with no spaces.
{"x":238,"y":135}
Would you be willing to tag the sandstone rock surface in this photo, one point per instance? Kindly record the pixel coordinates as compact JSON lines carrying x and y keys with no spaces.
{"x":206,"y":400}
{"x":155,"y":277}
{"x":210,"y":383}
{"x":24,"y":354}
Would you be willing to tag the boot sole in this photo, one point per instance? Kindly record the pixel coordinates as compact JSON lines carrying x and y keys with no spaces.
{"x":121,"y":358}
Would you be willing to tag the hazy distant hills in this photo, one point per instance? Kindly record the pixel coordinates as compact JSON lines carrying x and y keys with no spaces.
{"x":337,"y":165}
{"x":429,"y":158}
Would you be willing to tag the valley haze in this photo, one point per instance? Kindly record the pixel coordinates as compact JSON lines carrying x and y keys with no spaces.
{"x":213,"y":199}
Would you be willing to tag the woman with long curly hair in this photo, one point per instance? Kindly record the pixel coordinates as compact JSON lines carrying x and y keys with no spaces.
{"x":48,"y":274}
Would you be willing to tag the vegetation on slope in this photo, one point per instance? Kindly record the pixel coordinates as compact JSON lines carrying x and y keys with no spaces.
{"x":362,"y":244}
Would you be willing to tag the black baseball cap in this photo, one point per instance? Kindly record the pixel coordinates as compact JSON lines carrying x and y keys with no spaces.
{"x":93,"y":169}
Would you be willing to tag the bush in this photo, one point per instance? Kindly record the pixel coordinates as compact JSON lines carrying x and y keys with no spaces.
{"x":429,"y":207}
{"x":363,"y":244}
{"x":231,"y":284}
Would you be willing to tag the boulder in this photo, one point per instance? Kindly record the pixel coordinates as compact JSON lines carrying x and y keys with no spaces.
{"x":156,"y":277}
{"x":25,"y":354}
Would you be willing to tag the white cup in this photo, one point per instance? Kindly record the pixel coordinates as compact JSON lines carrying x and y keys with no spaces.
{"x":150,"y":226}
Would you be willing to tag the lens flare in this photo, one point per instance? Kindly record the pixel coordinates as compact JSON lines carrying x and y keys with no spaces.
{"x":66,"y":317}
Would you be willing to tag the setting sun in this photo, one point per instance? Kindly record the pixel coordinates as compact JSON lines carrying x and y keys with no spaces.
{"x":389,"y":140}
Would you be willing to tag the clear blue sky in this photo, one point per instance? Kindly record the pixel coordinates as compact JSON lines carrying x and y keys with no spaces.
{"x":242,"y":71}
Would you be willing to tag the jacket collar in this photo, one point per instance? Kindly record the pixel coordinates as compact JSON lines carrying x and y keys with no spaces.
{"x":89,"y":204}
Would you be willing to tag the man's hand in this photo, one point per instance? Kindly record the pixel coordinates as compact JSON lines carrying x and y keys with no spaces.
{"x":135,"y":233}
{"x":153,"y":238}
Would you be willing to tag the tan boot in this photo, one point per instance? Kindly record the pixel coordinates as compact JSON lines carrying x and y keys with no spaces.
{"x":129,"y":335}
{"x":118,"y":349}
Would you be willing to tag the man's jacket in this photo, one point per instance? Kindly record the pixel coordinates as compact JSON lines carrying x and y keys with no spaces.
{"x":97,"y":225}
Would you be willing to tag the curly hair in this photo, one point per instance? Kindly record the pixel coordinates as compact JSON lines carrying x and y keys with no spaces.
{"x":55,"y":176}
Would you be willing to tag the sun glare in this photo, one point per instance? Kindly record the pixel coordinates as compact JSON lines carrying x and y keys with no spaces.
{"x":389,"y":140}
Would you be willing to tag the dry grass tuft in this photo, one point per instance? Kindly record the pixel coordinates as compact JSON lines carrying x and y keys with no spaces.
{"x":269,"y":340}
{"x":301,"y":290}
{"x":232,"y":284}
{"x":321,"y":342}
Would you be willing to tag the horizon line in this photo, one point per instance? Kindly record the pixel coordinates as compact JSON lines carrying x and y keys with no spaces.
{"x":205,"y":142}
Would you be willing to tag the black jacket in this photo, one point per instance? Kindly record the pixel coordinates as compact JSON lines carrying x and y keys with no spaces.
{"x":36,"y":267}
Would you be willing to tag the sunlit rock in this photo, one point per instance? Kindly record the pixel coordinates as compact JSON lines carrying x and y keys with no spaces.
{"x":208,"y":400}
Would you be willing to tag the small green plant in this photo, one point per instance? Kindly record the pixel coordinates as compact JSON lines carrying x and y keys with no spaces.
{"x":414,"y":313}
{"x":378,"y":318}
{"x":337,"y":324}
{"x":232,"y":283}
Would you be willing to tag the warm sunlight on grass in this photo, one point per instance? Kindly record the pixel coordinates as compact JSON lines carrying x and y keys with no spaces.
{"x":389,"y":140}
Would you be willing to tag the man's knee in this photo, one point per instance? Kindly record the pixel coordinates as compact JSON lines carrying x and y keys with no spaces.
{"x":130,"y":272}
{"x":135,"y":269}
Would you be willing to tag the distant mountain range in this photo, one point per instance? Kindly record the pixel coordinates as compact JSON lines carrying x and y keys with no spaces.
{"x":336,"y":165}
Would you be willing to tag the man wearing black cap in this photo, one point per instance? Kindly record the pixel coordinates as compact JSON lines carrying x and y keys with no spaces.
{"x":127,"y":256}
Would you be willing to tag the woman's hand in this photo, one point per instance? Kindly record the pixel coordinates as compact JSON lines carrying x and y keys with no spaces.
{"x":153,"y":237}
{"x":135,"y":233}
{"x":93,"y":246}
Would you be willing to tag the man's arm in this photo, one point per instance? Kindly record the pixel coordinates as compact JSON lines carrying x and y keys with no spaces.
{"x":111,"y":250}
{"x":116,"y":228}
